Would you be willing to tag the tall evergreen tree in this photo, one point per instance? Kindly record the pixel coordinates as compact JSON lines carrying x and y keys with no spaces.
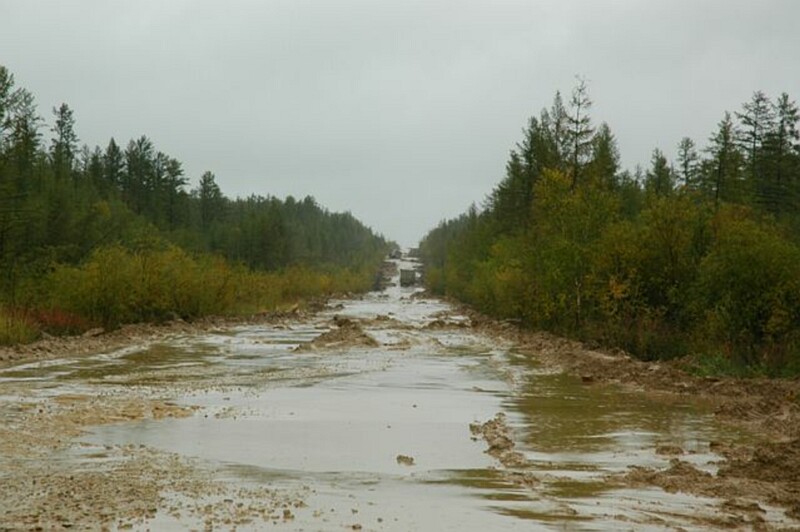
{"x":211,"y":200}
{"x":64,"y":145}
{"x":781,"y":154}
{"x":24,"y":136}
{"x":114,"y":165}
{"x":604,"y":164}
{"x":8,"y":97}
{"x":139,"y":157}
{"x":579,"y":130}
{"x":659,"y":179}
{"x":722,"y":174}
{"x":555,"y":124}
{"x":757,"y":120}
{"x":688,"y":163}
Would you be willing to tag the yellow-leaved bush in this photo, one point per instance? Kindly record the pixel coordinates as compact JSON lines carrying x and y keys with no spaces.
{"x":118,"y":285}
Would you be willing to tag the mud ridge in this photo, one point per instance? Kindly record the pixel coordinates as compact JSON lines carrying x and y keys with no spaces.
{"x":497,"y":435}
{"x":344,"y":334}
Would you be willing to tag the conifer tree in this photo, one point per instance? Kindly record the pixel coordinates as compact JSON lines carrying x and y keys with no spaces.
{"x":64,"y":146}
{"x":659,"y":180}
{"x":723,"y":172}
{"x":579,"y":130}
{"x":604,"y":164}
{"x":688,"y":163}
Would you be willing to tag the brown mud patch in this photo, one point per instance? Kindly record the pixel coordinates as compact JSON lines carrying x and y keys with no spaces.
{"x":345,"y":333}
{"x":384,"y":321}
{"x":111,"y":487}
{"x":773,"y":468}
{"x":128,"y":488}
{"x":497,"y":435}
{"x":740,"y":496}
{"x":40,"y":427}
{"x":441,"y":324}
{"x":98,"y":341}
{"x":764,"y":470}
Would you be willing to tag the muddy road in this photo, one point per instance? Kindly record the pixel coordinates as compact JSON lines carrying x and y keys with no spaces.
{"x":390,"y":412}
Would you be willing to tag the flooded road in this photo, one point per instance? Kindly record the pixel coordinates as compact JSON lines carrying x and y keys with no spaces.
{"x":298,"y":424}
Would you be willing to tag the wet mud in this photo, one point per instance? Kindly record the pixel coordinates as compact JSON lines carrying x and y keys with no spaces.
{"x":392,"y":411}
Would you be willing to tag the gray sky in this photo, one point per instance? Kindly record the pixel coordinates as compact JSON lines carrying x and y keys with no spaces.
{"x":402,"y":112}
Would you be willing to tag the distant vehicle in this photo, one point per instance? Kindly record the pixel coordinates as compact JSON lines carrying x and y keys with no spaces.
{"x":396,"y":254}
{"x":408,"y":277}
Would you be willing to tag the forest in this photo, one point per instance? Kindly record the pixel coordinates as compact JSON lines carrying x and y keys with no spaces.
{"x":109,"y":235}
{"x":697,"y":258}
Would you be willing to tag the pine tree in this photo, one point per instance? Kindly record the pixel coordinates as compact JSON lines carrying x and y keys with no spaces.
{"x":688,"y":163}
{"x":604,"y":164}
{"x":659,"y":180}
{"x":579,"y":130}
{"x":139,"y":157}
{"x":113,"y":165}
{"x":722,"y":174}
{"x":64,"y":146}
{"x":757,"y":120}
{"x":211,"y":200}
{"x":555,"y":126}
{"x":781,"y":146}
{"x":24,"y":136}
{"x":8,"y":97}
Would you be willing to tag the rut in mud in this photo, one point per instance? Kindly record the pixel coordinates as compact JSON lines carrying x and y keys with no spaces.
{"x":390,"y":412}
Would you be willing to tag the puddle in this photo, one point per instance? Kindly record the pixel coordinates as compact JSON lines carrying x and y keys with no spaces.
{"x":332,"y":423}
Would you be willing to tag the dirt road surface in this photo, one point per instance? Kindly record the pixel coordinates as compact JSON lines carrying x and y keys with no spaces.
{"x":394,"y":411}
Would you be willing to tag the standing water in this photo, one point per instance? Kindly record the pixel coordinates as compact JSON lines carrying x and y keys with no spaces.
{"x":372,"y":431}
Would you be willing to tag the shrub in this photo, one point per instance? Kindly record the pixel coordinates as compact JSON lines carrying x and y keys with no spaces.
{"x":16,"y":327}
{"x":749,"y":292}
{"x":116,"y":285}
{"x":154,"y":283}
{"x":58,"y":322}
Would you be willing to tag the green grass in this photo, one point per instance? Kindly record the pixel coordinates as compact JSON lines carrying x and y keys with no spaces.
{"x":719,"y":365}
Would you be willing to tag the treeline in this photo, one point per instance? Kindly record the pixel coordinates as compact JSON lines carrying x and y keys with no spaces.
{"x":112,"y":234}
{"x":699,"y":256}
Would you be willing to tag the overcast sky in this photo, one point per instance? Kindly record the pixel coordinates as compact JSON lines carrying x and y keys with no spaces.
{"x":401,"y":112}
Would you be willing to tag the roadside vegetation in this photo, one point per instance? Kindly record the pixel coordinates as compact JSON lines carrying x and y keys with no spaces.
{"x":104,"y":236}
{"x":697,"y":257}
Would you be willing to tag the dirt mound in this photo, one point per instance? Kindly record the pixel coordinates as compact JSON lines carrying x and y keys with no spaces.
{"x":497,"y":434}
{"x":775,"y":466}
{"x":439,"y":324}
{"x":668,"y":449}
{"x":772,"y":462}
{"x":345,"y":333}
{"x":679,"y":476}
{"x":771,"y":473}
